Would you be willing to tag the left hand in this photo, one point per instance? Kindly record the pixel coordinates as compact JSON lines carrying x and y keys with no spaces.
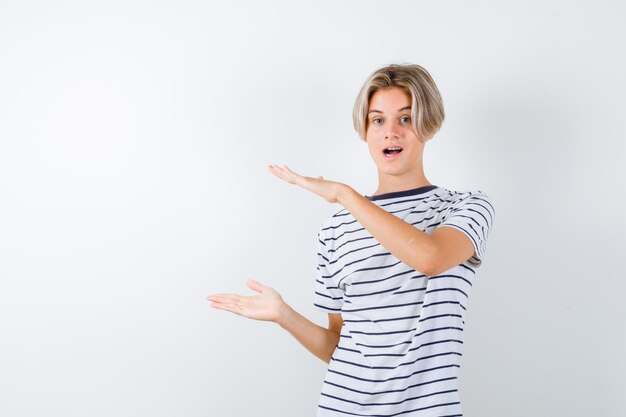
{"x":328,"y":190}
{"x":268,"y":305}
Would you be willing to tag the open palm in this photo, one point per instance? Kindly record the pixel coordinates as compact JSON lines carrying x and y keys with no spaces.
{"x":328,"y":190}
{"x":265,"y":306}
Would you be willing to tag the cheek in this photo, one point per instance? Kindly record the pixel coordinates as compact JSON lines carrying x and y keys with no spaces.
{"x":371,"y":149}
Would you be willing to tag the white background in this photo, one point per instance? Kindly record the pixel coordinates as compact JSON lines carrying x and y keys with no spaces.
{"x":134,"y":144}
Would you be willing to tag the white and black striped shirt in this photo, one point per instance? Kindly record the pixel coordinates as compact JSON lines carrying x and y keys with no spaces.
{"x":401,"y":343}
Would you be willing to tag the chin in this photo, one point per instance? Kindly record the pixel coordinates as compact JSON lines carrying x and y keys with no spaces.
{"x":391,"y":171}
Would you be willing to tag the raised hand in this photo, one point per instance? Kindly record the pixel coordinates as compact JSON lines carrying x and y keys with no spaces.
{"x":329,"y":190}
{"x":267,"y":305}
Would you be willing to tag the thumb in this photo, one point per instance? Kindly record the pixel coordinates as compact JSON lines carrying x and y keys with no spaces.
{"x":256,"y":286}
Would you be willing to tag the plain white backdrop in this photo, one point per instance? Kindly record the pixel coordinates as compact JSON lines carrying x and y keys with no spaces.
{"x":134,"y":144}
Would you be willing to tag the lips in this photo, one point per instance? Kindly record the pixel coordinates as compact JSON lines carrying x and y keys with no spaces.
{"x":392,"y":151}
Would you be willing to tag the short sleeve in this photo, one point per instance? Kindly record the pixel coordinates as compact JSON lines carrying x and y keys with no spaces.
{"x":327,"y":297}
{"x":472,"y":214}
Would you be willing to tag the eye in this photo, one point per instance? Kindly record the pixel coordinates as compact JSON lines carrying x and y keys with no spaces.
{"x":405,"y":119}
{"x":377,"y":120}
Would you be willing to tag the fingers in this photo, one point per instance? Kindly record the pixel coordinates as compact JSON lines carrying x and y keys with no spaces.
{"x":256,"y":286}
{"x":226,"y":298}
{"x":229,"y":302}
{"x":279,"y":173}
{"x":233,"y":308}
{"x":285,"y":173}
{"x":223,"y":297}
{"x":293,"y":174}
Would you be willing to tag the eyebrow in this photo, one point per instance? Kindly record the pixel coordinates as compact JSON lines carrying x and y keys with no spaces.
{"x":378,"y":111}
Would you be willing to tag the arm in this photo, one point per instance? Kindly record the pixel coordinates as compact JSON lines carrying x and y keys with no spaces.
{"x":268,"y":305}
{"x":430,"y":254}
{"x":319,"y":341}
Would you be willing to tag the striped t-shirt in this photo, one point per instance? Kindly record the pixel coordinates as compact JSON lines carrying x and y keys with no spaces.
{"x":401,"y":342}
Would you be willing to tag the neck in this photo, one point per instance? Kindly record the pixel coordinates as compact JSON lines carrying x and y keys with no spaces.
{"x":390,"y":183}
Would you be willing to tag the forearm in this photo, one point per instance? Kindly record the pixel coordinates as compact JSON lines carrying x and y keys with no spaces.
{"x":406,"y":242}
{"x":318,"y":340}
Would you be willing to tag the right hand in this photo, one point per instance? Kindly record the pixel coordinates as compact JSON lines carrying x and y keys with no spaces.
{"x":267,"y":305}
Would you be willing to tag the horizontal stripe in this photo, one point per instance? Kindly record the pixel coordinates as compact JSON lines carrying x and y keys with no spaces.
{"x":331,"y":239}
{"x":381,"y":320}
{"x":351,"y":241}
{"x":439,"y":316}
{"x":413,"y":349}
{"x":453,"y":276}
{"x":399,"y":274}
{"x":426,"y":219}
{"x":417,"y":335}
{"x":411,"y":290}
{"x":402,"y":318}
{"x":339,"y":225}
{"x":389,"y":415}
{"x":396,"y":367}
{"x":376,"y":255}
{"x":405,"y":342}
{"x":382,"y":333}
{"x":427,"y":210}
{"x":447,"y":289}
{"x":377,"y":268}
{"x":328,"y":296}
{"x":394,"y":378}
{"x":327,"y":308}
{"x":382,"y":307}
{"x":356,"y":250}
{"x":365,"y":259}
{"x":445,"y":302}
{"x":391,"y":403}
{"x":349,"y":350}
{"x":375,"y":293}
{"x":408,"y":387}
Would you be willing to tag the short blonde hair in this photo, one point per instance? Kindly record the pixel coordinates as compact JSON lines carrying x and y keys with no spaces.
{"x":427,"y":113}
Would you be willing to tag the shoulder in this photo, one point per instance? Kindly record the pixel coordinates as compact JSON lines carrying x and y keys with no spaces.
{"x":468,"y":198}
{"x":472,"y":213}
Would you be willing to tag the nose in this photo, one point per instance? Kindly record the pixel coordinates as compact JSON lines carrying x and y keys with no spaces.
{"x":392,"y":131}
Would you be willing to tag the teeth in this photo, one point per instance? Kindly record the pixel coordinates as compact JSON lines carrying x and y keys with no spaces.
{"x":394,"y":148}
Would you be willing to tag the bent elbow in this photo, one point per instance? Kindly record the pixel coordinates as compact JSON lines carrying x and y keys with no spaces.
{"x":424,"y":265}
{"x":328,"y":356}
{"x":429,"y":264}
{"x":434,"y":265}
{"x":430,"y":270}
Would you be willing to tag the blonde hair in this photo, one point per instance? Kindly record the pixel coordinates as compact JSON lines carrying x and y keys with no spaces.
{"x":427,"y":113}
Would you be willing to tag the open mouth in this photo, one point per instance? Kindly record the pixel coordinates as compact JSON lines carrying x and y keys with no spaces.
{"x":391,"y":151}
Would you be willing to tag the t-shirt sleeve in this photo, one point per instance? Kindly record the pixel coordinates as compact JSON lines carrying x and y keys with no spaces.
{"x":327,"y":297}
{"x":473,"y":214}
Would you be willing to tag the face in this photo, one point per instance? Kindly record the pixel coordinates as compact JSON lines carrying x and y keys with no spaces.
{"x":389,"y":126}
